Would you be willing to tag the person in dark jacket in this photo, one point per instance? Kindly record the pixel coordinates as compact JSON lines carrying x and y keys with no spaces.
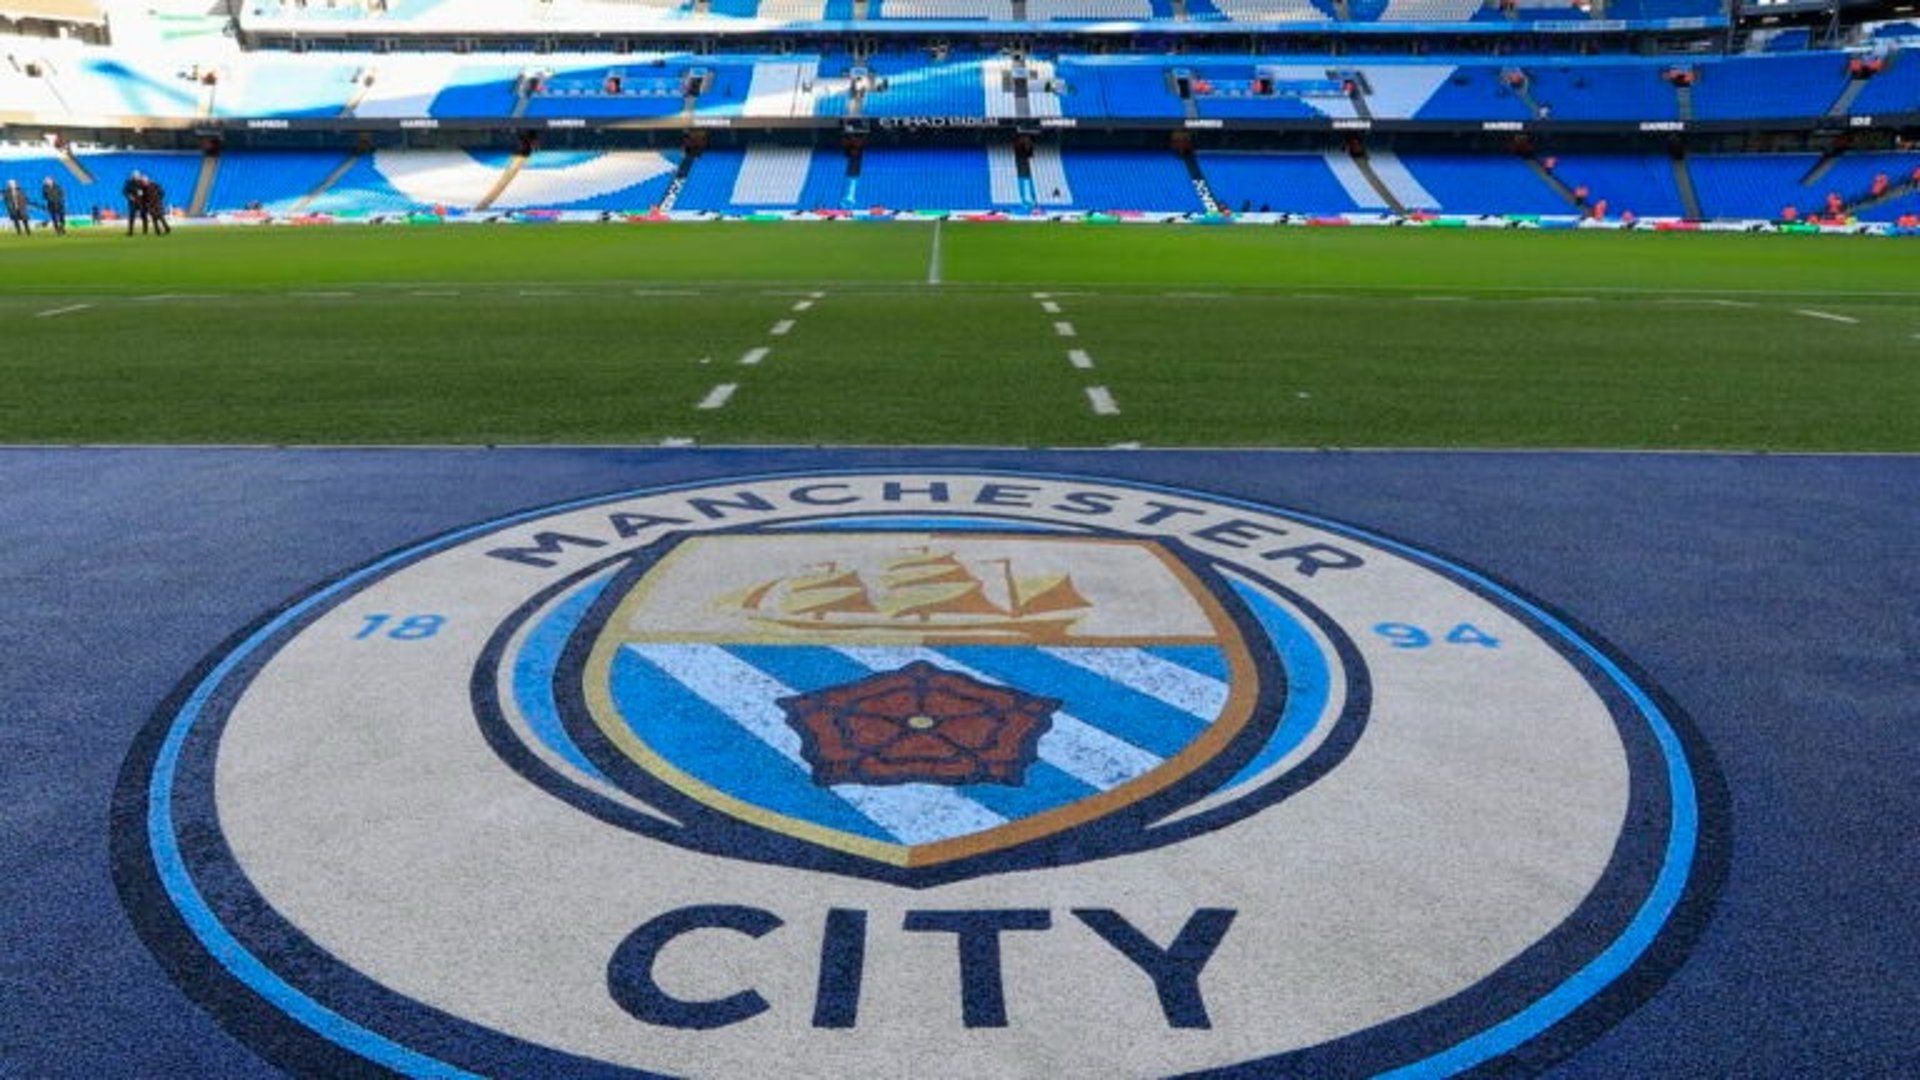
{"x":54,"y":198}
{"x":16,"y":199}
{"x":135,"y":192}
{"x":157,"y":207}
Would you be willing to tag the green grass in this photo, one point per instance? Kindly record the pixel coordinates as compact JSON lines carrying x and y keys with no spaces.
{"x":1204,"y":337}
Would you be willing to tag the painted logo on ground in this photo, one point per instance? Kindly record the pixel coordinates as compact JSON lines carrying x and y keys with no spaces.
{"x":996,"y":774}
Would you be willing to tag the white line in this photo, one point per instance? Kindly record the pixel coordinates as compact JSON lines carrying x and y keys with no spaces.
{"x":1102,"y":399}
{"x":1197,"y":296}
{"x":718,"y":396}
{"x":666,"y":292}
{"x":1439,"y":299}
{"x":676,"y":442}
{"x":1827,"y":315}
{"x":803,"y":305}
{"x":1706,"y":300}
{"x":818,"y":295}
{"x":1050,"y":307}
{"x":182,"y":296}
{"x":1181,"y":687}
{"x":780,"y":328}
{"x":546,"y":292}
{"x":322,"y":295}
{"x":68,"y":310}
{"x":933,"y":257}
{"x":435,"y":292}
{"x":1042,"y":296}
{"x":755,"y":355}
{"x":1561,"y":299}
{"x":1079,"y":358}
{"x":1064,"y":329}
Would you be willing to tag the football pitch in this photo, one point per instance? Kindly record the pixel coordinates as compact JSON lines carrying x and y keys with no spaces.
{"x":916,"y":333}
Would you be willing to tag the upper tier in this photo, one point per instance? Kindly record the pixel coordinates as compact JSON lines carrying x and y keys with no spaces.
{"x":67,"y":84}
{"x":337,"y":17}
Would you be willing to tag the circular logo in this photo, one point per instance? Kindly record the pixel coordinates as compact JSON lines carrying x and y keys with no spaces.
{"x":995,"y":773}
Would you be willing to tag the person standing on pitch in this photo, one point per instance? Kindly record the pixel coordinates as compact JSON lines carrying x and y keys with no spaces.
{"x":17,"y":208}
{"x":54,"y":198}
{"x":157,"y":207}
{"x":135,"y":191}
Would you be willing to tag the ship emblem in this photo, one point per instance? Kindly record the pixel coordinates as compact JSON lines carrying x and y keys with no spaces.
{"x":896,"y":702}
{"x":923,"y":589}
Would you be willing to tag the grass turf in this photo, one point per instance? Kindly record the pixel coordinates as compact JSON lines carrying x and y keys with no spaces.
{"x":1202,"y":336}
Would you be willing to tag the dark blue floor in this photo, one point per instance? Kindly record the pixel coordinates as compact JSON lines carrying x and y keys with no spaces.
{"x":1775,"y":600}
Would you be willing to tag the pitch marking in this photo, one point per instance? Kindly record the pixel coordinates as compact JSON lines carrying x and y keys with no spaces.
{"x":802,"y":305}
{"x":1827,"y":315}
{"x":1706,"y":300}
{"x":1079,"y":358}
{"x":718,"y":396}
{"x":324,"y":295}
{"x":933,"y":257}
{"x":1441,"y":299}
{"x":546,"y":292}
{"x":68,"y":310}
{"x":1102,"y":400}
{"x":755,"y":355}
{"x":781,"y":328}
{"x":666,"y":292}
{"x":1050,"y":307}
{"x":436,"y":292}
{"x":1064,"y":329}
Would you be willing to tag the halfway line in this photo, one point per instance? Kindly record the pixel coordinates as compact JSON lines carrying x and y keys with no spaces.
{"x":718,"y":396}
{"x":1827,"y":315}
{"x":68,"y":310}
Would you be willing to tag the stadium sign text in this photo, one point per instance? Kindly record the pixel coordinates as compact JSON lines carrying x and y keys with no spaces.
{"x":910,"y":122}
{"x":812,"y":774}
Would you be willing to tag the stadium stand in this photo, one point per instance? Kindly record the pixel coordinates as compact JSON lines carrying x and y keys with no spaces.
{"x":1661,"y":108}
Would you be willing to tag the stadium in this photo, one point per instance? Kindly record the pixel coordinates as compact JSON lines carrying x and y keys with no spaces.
{"x":959,"y":538}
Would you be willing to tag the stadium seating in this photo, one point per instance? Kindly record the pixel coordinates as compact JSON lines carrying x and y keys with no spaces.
{"x":1485,"y":184}
{"x":275,"y":181}
{"x":924,"y":178}
{"x":349,"y":79}
{"x":1297,"y":183}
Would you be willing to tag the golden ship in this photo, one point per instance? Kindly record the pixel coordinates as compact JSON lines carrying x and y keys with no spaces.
{"x":922,"y":591}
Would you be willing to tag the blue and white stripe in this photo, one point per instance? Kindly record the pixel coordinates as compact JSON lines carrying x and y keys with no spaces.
{"x":689,"y":703}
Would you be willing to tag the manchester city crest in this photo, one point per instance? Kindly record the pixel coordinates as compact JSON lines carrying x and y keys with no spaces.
{"x":998,"y":773}
{"x":905,"y":703}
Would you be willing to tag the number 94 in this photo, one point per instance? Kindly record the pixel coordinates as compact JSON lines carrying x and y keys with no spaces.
{"x":1408,"y":636}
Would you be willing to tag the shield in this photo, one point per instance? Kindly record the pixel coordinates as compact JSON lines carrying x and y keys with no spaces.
{"x":917,"y":698}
